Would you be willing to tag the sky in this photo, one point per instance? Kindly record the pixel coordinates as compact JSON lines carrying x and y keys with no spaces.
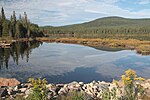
{"x":66,"y":12}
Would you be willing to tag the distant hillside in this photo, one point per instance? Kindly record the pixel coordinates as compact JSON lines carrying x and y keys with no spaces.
{"x":113,"y":21}
{"x":104,"y":27}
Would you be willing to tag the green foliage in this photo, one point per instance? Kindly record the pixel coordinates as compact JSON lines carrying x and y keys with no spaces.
{"x":131,"y":89}
{"x":3,"y":14}
{"x":21,"y":28}
{"x":39,"y":89}
{"x":109,"y":94}
{"x":5,"y":28}
{"x":109,"y":27}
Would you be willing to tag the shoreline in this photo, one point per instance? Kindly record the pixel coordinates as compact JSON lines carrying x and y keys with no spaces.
{"x":141,"y":47}
{"x":93,"y":89}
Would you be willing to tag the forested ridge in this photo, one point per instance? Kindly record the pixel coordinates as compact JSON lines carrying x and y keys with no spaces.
{"x":18,"y":28}
{"x":104,"y":27}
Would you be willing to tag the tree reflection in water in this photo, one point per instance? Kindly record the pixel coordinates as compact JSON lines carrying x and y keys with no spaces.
{"x":16,"y":51}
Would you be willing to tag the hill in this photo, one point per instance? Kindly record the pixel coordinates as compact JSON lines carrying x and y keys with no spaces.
{"x":106,"y":26}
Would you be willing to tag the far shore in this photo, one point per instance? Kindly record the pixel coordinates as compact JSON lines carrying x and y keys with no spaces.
{"x":141,"y":46}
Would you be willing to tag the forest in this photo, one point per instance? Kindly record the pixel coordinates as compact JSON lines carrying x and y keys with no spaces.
{"x":18,"y":28}
{"x":107,"y":27}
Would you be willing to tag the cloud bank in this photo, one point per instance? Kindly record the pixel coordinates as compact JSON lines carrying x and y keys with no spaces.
{"x":64,"y":12}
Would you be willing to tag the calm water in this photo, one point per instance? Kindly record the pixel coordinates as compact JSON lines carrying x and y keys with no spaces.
{"x":69,"y":62}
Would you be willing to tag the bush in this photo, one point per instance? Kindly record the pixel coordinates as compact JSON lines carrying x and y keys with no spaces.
{"x":39,"y":89}
{"x":109,"y":94}
{"x":131,"y":89}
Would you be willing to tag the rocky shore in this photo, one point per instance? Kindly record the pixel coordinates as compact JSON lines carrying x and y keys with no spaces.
{"x":11,"y":88}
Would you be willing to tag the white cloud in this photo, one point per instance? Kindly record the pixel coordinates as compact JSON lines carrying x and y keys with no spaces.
{"x":144,"y":1}
{"x":62,"y":12}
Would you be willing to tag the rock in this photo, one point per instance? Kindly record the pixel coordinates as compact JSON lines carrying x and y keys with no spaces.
{"x":148,"y":93}
{"x":27,"y":85}
{"x":60,"y":85}
{"x":81,"y":84}
{"x":92,"y":84}
{"x":9,"y":82}
{"x":84,"y":87}
{"x":3,"y":92}
{"x":23,"y":90}
{"x":73,"y":83}
{"x":16,"y":88}
{"x":63,"y":91}
{"x":112,"y":86}
{"x":66,"y":85}
{"x":50,"y":95}
{"x":99,"y":95}
{"x":49,"y":85}
{"x":10,"y":90}
{"x":29,"y":91}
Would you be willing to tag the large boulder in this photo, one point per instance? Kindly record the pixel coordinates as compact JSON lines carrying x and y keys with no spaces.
{"x":9,"y":82}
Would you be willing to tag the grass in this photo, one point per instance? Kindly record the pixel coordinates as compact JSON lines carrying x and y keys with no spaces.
{"x":141,"y":46}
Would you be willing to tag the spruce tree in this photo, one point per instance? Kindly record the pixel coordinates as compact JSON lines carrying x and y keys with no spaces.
{"x":11,"y":27}
{"x":0,"y":25}
{"x":3,"y":14}
{"x":19,"y":30}
{"x":14,"y":24}
{"x":5,"y":30}
{"x":27,"y":24}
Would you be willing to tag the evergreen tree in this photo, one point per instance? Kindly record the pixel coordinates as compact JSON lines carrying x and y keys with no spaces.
{"x":27,"y":24}
{"x":3,"y":14}
{"x":5,"y":30}
{"x":20,"y":30}
{"x":20,"y":18}
{"x":11,"y":26}
{"x":17,"y":28}
{"x":0,"y":25}
{"x":13,"y":22}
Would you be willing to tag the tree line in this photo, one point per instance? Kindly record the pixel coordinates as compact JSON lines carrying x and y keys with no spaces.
{"x":18,"y":28}
{"x":103,"y":28}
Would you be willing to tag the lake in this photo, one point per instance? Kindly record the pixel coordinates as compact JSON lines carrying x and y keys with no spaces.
{"x":63,"y":63}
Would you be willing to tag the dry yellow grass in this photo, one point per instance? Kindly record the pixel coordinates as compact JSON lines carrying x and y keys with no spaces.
{"x":142,"y":47}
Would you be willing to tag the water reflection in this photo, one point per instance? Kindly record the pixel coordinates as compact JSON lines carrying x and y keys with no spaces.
{"x":69,"y":62}
{"x":18,"y":50}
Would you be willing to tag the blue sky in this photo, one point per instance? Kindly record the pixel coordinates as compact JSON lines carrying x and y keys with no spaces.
{"x":65,"y":12}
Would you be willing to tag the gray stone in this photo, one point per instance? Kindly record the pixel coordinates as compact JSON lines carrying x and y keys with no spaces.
{"x":60,"y":85}
{"x":63,"y":91}
{"x":50,"y":95}
{"x":16,"y":88}
{"x":81,"y":83}
{"x":23,"y":89}
{"x":3,"y":92}
{"x":10,"y":90}
{"x":29,"y":91}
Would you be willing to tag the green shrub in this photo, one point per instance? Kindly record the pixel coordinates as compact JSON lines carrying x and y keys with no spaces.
{"x":109,"y":94}
{"x":131,"y":89}
{"x":39,"y":89}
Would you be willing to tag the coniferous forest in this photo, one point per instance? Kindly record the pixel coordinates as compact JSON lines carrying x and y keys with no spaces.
{"x":18,"y":28}
{"x":107,"y":27}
